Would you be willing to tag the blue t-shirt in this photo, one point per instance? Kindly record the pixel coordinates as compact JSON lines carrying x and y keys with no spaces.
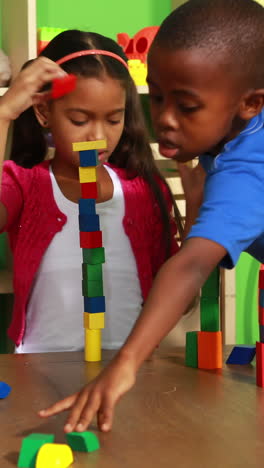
{"x":232,"y":213}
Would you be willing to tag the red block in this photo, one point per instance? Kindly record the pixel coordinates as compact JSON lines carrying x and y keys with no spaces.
{"x":261,"y":277}
{"x":89,"y":190}
{"x":91,"y":240}
{"x":62,"y":86}
{"x":261,"y":315}
{"x":210,"y":355}
{"x":260,"y":364}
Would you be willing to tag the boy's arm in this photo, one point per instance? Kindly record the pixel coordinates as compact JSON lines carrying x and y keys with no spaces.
{"x":176,"y":284}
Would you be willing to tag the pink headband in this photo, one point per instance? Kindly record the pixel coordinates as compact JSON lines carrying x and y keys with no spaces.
{"x":91,"y":52}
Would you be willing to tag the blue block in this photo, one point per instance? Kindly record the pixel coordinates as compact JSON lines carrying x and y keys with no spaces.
{"x":89,"y":223}
{"x":5,"y":389}
{"x":88,"y":158}
{"x":261,"y":297}
{"x":94,"y":305}
{"x":87,"y":206}
{"x":241,"y":355}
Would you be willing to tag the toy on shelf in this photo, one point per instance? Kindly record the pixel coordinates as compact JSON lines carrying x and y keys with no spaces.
{"x":92,"y":248}
{"x":204,"y":348}
{"x":45,"y":35}
{"x":136,"y":50}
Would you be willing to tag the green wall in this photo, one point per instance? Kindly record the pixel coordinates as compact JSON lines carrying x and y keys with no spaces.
{"x":107,"y":17}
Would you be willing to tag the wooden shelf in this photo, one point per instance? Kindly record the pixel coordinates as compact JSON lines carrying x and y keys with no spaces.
{"x":6,"y":282}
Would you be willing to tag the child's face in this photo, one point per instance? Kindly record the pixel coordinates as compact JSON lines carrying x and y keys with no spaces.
{"x":95,"y":110}
{"x":194,"y":102}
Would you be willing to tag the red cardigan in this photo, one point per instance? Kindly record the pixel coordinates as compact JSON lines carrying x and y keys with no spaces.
{"x":34,"y":219}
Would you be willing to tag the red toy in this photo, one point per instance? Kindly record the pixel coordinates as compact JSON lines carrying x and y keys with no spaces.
{"x":62,"y":86}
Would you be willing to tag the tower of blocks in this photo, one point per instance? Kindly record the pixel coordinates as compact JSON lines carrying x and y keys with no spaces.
{"x":92,"y":249}
{"x":204,"y":348}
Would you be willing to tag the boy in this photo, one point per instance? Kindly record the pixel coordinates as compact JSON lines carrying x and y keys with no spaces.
{"x":206,"y":82}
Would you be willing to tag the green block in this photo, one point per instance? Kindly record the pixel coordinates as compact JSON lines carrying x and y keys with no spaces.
{"x":211,"y":286}
{"x":209,"y":314}
{"x":191,"y":349}
{"x":92,"y":272}
{"x":92,"y":288}
{"x":30,"y":447}
{"x":83,"y":441}
{"x":93,"y":256}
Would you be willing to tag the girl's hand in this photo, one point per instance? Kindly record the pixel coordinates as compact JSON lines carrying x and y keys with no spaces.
{"x":98,"y":397}
{"x":25,"y":87}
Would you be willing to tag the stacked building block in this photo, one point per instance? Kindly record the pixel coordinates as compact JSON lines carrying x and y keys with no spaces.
{"x":92,"y":249}
{"x":260,"y":343}
{"x":204,"y":348}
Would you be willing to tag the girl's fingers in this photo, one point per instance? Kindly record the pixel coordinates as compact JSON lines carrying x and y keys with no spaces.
{"x":61,"y":405}
{"x":105,"y":415}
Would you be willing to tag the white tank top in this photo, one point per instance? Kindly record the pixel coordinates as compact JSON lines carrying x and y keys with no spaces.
{"x":54,"y":320}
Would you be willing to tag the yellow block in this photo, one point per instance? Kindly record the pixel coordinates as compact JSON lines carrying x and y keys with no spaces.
{"x":89,"y":145}
{"x":54,"y":456}
{"x":92,"y":350}
{"x":93,"y":321}
{"x":87,"y":174}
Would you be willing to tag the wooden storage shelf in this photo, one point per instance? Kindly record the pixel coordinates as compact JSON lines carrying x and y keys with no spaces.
{"x":6,"y":283}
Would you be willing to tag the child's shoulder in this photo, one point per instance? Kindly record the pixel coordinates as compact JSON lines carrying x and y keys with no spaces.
{"x":13,"y":169}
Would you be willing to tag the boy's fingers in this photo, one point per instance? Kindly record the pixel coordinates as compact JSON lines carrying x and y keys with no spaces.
{"x":83,"y":412}
{"x":61,"y":405}
{"x":105,"y":415}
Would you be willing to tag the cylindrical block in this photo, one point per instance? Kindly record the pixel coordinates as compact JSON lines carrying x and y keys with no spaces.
{"x":92,"y":351}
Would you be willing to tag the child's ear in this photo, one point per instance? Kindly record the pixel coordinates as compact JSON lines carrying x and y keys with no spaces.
{"x":41,"y":109}
{"x":251,"y":104}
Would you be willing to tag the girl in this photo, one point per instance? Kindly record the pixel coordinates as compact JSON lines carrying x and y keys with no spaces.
{"x":39,"y":198}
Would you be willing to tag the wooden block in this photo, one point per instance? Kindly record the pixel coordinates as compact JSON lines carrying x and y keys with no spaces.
{"x":210,"y":350}
{"x":260,"y":364}
{"x":88,"y":158}
{"x":83,"y":441}
{"x":261,"y":315}
{"x":92,"y":288}
{"x":209,"y":314}
{"x":241,"y":355}
{"x":211,"y":286}
{"x":94,"y":256}
{"x":89,"y":145}
{"x":87,"y":174}
{"x":191,"y":349}
{"x":91,"y":240}
{"x":87,"y":206}
{"x":94,"y":305}
{"x":30,"y":447}
{"x":94,"y":321}
{"x":92,"y":350}
{"x":54,"y":455}
{"x":92,"y":272}
{"x":89,"y":190}
{"x":261,"y":277}
{"x":89,"y":223}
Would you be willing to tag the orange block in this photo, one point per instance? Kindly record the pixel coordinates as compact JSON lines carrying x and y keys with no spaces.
{"x":210,"y":353}
{"x":260,"y":364}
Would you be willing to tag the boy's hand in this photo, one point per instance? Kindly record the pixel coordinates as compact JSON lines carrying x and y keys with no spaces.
{"x":24,"y":90}
{"x":98,"y":397}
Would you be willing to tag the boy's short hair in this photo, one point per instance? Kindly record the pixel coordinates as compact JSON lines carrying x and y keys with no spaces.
{"x":230,"y":29}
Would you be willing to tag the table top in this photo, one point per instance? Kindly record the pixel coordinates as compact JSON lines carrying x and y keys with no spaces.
{"x":174,"y":415}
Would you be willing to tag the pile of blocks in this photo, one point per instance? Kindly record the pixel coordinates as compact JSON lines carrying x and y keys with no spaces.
{"x":92,"y":249}
{"x":40,"y":451}
{"x":204,"y":348}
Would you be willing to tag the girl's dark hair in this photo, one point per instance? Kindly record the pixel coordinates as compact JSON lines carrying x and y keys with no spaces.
{"x":133,"y":151}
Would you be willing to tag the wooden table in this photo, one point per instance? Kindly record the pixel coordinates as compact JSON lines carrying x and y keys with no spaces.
{"x":174,"y":417}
